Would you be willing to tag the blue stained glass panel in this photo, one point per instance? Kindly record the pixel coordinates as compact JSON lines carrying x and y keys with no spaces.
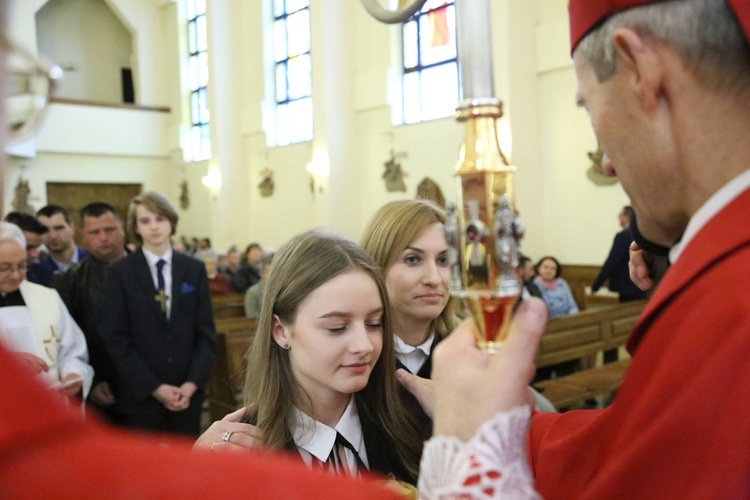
{"x":205,"y":134}
{"x":279,"y":40}
{"x":190,"y":9}
{"x":410,"y":44}
{"x":278,"y":8}
{"x":200,"y":24}
{"x":203,"y":68}
{"x":281,"y":94}
{"x":193,"y":78}
{"x":204,"y":114}
{"x":282,"y":125}
{"x":295,"y":5}
{"x":300,"y":124}
{"x":412,"y":98}
{"x":439,"y":88}
{"x":192,"y":39}
{"x":300,"y":81}
{"x":298,"y":28}
{"x":194,"y":108}
{"x":200,"y":7}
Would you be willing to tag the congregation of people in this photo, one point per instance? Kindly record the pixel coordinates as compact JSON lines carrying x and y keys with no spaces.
{"x":359,"y":366}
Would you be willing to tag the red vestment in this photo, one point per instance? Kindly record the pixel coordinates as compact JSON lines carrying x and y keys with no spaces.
{"x":680,"y":424}
{"x":48,"y":451}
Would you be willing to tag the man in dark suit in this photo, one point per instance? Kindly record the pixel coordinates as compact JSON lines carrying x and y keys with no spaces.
{"x":615,"y":268}
{"x":157,"y":322}
{"x":63,"y":251}
{"x":81,"y":288}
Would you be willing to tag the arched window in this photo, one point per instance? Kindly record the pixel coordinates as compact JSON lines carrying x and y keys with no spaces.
{"x":430,"y":63}
{"x":292,"y":72}
{"x":199,"y":145}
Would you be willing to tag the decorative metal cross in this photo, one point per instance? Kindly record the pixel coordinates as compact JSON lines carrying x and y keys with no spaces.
{"x":162,"y":298}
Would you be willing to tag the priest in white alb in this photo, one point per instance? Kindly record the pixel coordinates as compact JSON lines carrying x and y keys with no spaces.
{"x":35,"y":324}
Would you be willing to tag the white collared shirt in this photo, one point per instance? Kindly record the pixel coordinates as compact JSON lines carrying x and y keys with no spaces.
{"x":713,"y":206}
{"x":413,"y":357}
{"x":63,"y":266}
{"x":314,"y":439}
{"x":152,"y":259}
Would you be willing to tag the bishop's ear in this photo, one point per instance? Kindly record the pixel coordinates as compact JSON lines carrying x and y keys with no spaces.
{"x":279,"y":332}
{"x":642,"y":63}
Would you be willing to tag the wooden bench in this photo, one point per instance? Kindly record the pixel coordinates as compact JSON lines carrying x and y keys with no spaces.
{"x":581,"y":337}
{"x":228,"y":306}
{"x":233,"y":339}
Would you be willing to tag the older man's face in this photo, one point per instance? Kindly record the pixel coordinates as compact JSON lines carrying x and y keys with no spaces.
{"x":103,"y":236}
{"x":12,"y":266}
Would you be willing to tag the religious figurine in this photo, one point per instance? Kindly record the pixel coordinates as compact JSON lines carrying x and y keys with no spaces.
{"x":506,"y":237}
{"x":184,"y":195}
{"x":429,"y":190}
{"x":393,"y":175}
{"x":266,"y":184}
{"x":453,"y":239}
{"x":21,"y":199}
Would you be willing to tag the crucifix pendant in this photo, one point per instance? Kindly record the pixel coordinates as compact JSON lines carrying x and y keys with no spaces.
{"x":161,"y":298}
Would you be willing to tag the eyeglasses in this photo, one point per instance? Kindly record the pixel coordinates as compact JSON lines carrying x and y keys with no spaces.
{"x":29,"y":83}
{"x":7,"y":269}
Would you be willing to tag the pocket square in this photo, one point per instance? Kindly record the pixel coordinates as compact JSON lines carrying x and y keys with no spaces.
{"x":186,"y":288}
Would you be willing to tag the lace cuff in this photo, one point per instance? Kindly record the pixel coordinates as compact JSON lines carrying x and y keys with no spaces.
{"x":492,"y":464}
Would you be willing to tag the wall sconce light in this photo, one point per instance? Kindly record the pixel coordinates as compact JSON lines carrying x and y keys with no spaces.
{"x":319,"y":171}
{"x":212,"y":181}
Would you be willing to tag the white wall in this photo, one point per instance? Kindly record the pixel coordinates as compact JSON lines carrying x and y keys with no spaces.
{"x":354,"y":58}
{"x":90,"y":43}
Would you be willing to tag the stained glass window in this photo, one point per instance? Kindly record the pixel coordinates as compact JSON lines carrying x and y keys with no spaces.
{"x":199,"y":144}
{"x":293,"y":71}
{"x":430,"y":59}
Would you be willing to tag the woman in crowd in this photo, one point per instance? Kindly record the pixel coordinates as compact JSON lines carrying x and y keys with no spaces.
{"x":407,"y":240}
{"x":320,"y":380}
{"x":555,"y":290}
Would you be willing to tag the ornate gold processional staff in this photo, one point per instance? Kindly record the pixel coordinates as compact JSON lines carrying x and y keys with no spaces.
{"x":483,"y":231}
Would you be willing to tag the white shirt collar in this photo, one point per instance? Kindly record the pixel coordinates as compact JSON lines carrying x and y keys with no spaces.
{"x":318,"y":439}
{"x":152,"y":258}
{"x":402,"y":347}
{"x":713,"y":206}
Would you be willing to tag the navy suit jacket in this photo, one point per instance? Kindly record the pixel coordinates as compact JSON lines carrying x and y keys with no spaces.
{"x":615,"y":268}
{"x":41,"y":272}
{"x":147,"y":349}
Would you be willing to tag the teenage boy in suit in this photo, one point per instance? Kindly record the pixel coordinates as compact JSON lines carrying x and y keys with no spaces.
{"x":157,"y":322}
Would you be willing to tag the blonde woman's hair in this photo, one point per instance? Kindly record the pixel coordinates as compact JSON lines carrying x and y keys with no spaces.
{"x":303,"y":264}
{"x":392,"y":229}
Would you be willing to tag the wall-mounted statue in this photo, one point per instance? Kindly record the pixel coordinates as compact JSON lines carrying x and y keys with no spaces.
{"x":184,"y":195}
{"x":595,"y":173}
{"x":21,"y":199}
{"x":393,"y":175}
{"x":266,"y":184}
{"x":429,"y":190}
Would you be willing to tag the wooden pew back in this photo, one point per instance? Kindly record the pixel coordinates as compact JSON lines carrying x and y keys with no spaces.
{"x":228,"y":306}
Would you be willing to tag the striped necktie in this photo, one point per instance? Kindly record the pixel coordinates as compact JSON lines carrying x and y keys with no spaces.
{"x":337,"y":461}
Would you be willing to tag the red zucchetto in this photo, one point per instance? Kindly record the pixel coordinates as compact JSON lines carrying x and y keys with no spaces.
{"x":586,"y":14}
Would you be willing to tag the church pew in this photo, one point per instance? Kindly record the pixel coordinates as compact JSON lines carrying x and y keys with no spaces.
{"x":228,"y":306}
{"x":581,"y":337}
{"x":233,"y":339}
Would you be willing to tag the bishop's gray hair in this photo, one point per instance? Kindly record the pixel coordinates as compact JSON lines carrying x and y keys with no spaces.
{"x":705,"y":33}
{"x":11,"y":232}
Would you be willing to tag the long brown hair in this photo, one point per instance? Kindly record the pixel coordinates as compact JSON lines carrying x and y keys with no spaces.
{"x":303,"y":264}
{"x":392,"y":229}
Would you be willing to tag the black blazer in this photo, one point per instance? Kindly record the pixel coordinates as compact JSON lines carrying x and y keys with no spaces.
{"x":410,"y":402}
{"x":381,"y":452}
{"x":615,"y":268}
{"x":148,"y":350}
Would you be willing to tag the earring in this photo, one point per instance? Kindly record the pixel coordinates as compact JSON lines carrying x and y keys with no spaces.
{"x":286,"y":346}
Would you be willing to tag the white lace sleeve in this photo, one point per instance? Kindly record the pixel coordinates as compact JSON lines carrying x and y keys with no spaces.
{"x":492,"y":464}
